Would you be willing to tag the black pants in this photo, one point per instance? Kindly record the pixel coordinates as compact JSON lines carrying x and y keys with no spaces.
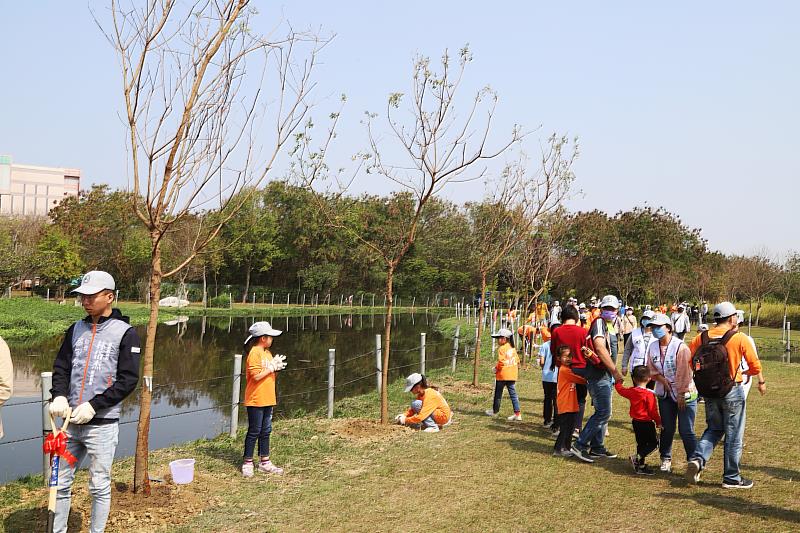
{"x":646,"y":438}
{"x":550,"y":409}
{"x":566,"y":425}
{"x":582,"y":393}
{"x":681,"y":335}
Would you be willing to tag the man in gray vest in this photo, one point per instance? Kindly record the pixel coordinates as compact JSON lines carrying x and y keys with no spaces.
{"x":95,"y":369}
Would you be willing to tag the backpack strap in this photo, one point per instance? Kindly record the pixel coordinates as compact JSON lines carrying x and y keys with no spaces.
{"x":704,"y":337}
{"x":725,"y":338}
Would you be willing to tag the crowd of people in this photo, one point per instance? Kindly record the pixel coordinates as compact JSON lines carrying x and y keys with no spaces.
{"x":98,"y":363}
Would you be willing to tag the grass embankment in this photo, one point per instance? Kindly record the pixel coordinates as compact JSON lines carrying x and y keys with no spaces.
{"x":772,"y":314}
{"x":24,"y":320}
{"x":479,"y":474}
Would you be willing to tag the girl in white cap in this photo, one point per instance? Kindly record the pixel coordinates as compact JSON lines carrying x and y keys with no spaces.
{"x":259,"y":396}
{"x":506,"y":373}
{"x":429,"y":410}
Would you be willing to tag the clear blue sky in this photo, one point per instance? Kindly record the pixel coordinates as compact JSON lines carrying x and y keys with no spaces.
{"x":688,"y":105}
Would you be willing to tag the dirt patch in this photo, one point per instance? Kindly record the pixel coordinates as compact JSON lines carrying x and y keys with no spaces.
{"x":465,"y":388}
{"x":168,"y":505}
{"x":361,"y":430}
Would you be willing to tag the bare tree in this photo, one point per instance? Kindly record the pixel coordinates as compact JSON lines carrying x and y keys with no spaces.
{"x":514,"y":209}
{"x":758,"y":275}
{"x":200,"y":126}
{"x":432,"y":146}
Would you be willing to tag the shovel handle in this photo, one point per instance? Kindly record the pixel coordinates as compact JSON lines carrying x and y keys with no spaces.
{"x":64,"y":426}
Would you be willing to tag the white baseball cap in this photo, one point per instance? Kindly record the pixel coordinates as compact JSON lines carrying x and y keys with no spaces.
{"x":95,"y":281}
{"x":740,"y":316}
{"x":661,"y":320}
{"x":502,"y":332}
{"x":259,"y":329}
{"x":412,"y":380}
{"x":609,"y":301}
{"x":724,"y":310}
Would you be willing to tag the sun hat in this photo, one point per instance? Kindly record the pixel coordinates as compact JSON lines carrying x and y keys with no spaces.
{"x":259,"y":329}
{"x":724,"y":310}
{"x":556,"y":303}
{"x":648,"y":314}
{"x":502,"y":332}
{"x":582,"y":306}
{"x":609,"y":300}
{"x":95,"y":281}
{"x":412,"y":380}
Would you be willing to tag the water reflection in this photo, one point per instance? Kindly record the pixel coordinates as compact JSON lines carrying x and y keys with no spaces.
{"x":193,"y":365}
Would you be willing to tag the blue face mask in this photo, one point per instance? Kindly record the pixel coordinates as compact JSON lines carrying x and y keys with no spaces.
{"x":659,"y":332}
{"x":645,"y":322}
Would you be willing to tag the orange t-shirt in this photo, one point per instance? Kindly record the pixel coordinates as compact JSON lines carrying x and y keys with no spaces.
{"x":507,"y":367}
{"x":738,"y":347}
{"x":567,"y":395}
{"x":259,"y":393}
{"x":433,"y":403}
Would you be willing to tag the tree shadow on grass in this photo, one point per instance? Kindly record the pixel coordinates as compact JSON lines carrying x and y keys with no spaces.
{"x":736,"y":504}
{"x":227,"y":454}
{"x":35,"y":519}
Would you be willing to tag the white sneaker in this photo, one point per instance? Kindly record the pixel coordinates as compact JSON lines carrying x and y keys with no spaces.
{"x":693,"y":469}
{"x":247,"y":469}
{"x":449,"y":421}
{"x":515,"y":418}
{"x":431,"y":429}
{"x":666,"y":465}
{"x":269,"y":468}
{"x":489,"y":412}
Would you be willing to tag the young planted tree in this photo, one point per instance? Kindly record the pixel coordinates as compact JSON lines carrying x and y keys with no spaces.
{"x":432,"y":146}
{"x":208,"y":105}
{"x":513,"y":210}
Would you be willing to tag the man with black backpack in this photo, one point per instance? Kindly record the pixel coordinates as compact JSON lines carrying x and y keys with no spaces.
{"x":716,"y":358}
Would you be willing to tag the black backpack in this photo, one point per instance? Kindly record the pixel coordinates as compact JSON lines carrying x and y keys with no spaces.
{"x":712,"y":374}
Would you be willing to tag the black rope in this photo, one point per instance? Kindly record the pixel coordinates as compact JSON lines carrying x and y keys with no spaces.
{"x":6,"y":406}
{"x":20,"y":440}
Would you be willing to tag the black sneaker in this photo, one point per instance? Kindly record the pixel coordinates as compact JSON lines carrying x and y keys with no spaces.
{"x":603,"y":453}
{"x":580,"y":454}
{"x":741,"y":484}
{"x":644,"y":470}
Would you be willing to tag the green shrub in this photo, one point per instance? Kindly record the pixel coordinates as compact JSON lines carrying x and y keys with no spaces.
{"x":223,"y":301}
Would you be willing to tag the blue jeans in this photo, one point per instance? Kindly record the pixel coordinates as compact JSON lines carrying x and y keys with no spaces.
{"x":593,"y":435}
{"x":724,"y":416}
{"x":685,"y":419}
{"x":429,"y":422}
{"x":498,"y":394}
{"x":259,"y":426}
{"x":99,"y":442}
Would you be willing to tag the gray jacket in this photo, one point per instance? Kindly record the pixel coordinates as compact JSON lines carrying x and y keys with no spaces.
{"x":99,"y":364}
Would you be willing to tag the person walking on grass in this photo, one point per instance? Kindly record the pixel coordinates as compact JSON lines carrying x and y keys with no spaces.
{"x":669,"y":362}
{"x":429,"y":410}
{"x":637,"y":345}
{"x":629,"y":324}
{"x":591,"y":441}
{"x":681,"y":322}
{"x":95,"y":369}
{"x":716,"y":359}
{"x":506,"y":373}
{"x":259,"y":396}
{"x":567,"y":401}
{"x":644,"y":416}
{"x":747,"y":380}
{"x":549,"y":382}
{"x":572,"y":334}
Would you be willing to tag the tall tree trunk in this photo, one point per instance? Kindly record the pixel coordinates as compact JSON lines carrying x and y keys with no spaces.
{"x":247,"y":270}
{"x":141,"y":480}
{"x":205,"y":289}
{"x":476,"y":360}
{"x":758,"y":310}
{"x":387,"y":337}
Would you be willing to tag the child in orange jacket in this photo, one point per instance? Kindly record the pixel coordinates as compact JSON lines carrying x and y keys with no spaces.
{"x":566,"y":401}
{"x":429,"y":410}
{"x":506,"y":373}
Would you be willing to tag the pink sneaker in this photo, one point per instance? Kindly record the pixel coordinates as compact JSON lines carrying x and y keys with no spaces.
{"x":268,"y":468}
{"x":247,"y":469}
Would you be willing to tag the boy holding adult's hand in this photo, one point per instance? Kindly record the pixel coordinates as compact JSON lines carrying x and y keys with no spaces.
{"x":96,"y":367}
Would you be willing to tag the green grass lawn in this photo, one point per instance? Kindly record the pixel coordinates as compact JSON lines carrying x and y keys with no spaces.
{"x":479,"y":474}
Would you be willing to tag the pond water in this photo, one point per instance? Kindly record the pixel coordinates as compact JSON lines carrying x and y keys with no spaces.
{"x":193,"y":376}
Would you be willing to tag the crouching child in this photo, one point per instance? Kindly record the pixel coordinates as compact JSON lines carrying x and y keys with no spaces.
{"x":429,"y":410}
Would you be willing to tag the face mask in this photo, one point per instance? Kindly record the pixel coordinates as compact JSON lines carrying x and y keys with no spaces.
{"x":645,"y":322}
{"x":608,"y":315}
{"x":659,"y":332}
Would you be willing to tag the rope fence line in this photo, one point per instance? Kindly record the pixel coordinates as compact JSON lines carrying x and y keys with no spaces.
{"x":3,"y":443}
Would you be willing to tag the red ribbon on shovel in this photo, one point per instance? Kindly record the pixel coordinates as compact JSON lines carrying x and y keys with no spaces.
{"x":56,"y":444}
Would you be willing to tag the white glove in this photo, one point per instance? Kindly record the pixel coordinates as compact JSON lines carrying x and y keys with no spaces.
{"x":400,"y":419}
{"x":83,"y":413}
{"x":59,"y":406}
{"x":279,"y":362}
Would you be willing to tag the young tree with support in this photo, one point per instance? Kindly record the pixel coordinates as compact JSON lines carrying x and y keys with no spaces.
{"x":208,"y":106}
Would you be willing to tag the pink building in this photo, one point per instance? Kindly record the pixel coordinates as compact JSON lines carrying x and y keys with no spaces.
{"x":33,"y":190}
